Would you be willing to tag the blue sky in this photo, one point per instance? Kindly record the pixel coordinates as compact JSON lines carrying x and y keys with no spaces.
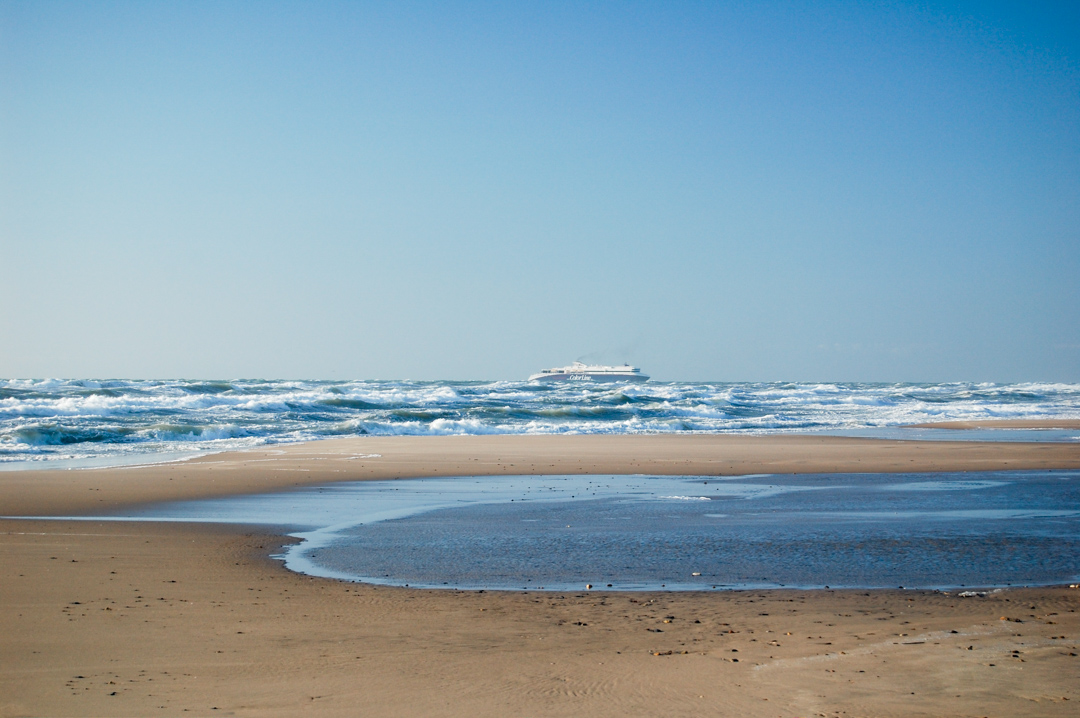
{"x":713,"y":191}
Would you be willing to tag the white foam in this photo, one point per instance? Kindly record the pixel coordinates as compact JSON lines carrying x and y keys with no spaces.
{"x":63,"y":419}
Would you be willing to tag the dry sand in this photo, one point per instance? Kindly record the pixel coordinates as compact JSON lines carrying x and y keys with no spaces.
{"x":102,"y":618}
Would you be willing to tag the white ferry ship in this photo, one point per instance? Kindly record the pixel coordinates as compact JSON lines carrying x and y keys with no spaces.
{"x":591,"y":372}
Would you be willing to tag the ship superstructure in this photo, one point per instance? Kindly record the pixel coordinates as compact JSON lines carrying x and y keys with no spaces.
{"x":591,"y":372}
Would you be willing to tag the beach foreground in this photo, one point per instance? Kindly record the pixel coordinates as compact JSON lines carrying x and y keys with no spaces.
{"x":105,"y":618}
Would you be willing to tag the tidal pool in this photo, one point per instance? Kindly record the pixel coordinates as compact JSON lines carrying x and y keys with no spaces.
{"x":676,"y":533}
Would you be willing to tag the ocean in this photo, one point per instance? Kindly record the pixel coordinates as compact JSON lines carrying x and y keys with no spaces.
{"x":74,"y":423}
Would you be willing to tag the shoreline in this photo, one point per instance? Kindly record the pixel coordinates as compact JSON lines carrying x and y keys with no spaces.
{"x":1065,"y":424}
{"x":136,"y":618}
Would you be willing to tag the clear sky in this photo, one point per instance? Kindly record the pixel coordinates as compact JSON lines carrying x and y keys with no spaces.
{"x":713,"y":191}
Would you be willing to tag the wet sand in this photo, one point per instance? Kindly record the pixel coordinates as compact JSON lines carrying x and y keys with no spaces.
{"x":158,"y":619}
{"x":1066,"y":424}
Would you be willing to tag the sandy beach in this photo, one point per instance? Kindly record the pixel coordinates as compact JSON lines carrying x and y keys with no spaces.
{"x":106,"y":618}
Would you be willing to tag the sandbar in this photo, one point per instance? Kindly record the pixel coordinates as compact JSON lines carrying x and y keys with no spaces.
{"x":80,"y":491}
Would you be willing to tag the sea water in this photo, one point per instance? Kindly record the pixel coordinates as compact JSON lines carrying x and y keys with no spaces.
{"x":939,"y":530}
{"x":81,"y":423}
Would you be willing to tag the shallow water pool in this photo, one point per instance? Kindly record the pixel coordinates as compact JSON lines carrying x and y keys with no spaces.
{"x":676,"y":533}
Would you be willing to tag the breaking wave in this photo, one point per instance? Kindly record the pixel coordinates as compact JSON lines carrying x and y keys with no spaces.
{"x":54,"y":419}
